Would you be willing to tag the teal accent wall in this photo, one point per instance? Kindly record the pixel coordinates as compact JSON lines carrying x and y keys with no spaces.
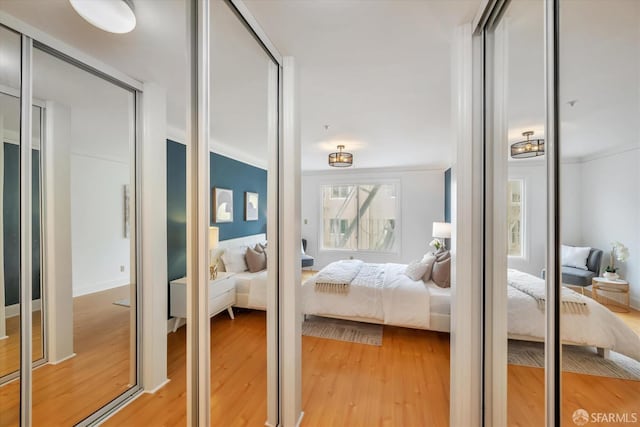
{"x":176,"y":210}
{"x":239,"y":177}
{"x":11,"y":223}
{"x":225,"y":173}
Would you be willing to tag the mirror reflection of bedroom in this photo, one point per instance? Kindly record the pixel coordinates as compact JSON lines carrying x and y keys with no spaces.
{"x":599,"y":201}
{"x":376,"y":138}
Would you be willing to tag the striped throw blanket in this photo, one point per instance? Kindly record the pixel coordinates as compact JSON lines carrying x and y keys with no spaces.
{"x":337,"y":276}
{"x":572,"y":302}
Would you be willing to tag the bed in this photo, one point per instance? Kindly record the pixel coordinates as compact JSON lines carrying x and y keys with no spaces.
{"x":384,"y":295}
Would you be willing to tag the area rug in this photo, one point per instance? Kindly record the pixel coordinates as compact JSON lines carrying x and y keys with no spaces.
{"x":123,"y":302}
{"x":581,"y":360}
{"x":342,"y":330}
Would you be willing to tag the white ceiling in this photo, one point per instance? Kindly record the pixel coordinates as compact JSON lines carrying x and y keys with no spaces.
{"x":599,"y":68}
{"x":377,"y":72}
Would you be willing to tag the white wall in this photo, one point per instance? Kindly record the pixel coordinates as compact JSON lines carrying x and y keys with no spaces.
{"x":611,"y":210}
{"x":422,"y":202}
{"x":535,"y":204}
{"x":600,"y":203}
{"x":99,"y":248}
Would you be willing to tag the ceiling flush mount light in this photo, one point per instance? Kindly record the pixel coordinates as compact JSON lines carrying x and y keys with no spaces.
{"x":340,"y":159}
{"x":527,"y":148}
{"x":114,"y":16}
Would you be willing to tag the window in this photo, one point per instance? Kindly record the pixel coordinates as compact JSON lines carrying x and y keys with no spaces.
{"x":360,"y":217}
{"x":515,"y":218}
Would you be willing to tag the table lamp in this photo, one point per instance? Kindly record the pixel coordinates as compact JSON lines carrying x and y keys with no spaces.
{"x":441,"y":231}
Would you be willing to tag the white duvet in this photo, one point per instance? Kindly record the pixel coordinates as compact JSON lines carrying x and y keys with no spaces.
{"x":599,"y":328}
{"x":385,"y":294}
{"x":380,"y":292}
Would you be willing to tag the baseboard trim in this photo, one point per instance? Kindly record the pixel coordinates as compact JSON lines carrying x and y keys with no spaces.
{"x":164,"y":383}
{"x":13,"y":310}
{"x":64,"y":359}
{"x":300,"y":419}
{"x":99,"y":287}
{"x":4,"y":337}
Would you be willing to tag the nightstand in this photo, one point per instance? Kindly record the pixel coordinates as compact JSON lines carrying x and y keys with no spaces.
{"x":222,"y":296}
{"x":617,"y":286}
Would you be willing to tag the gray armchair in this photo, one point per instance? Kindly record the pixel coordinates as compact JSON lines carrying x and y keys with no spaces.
{"x":578,"y":277}
{"x":307,"y":260}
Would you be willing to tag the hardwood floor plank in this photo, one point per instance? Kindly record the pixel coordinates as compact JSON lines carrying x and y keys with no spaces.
{"x":404,"y":382}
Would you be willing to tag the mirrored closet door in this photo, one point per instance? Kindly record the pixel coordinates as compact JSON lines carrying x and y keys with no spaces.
{"x":82,"y":219}
{"x":89,"y":148}
{"x":563,"y":154}
{"x":244,"y":135}
{"x":599,"y":141}
{"x":10,"y":356}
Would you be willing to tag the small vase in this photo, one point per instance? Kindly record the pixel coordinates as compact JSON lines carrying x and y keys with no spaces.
{"x":610,"y":276}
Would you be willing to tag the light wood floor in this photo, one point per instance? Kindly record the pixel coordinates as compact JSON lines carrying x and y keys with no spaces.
{"x":66,"y":393}
{"x":405,"y":382}
{"x":10,"y":346}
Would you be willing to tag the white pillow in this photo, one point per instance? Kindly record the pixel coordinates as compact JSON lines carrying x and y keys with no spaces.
{"x":429,"y":259}
{"x":573,"y":256}
{"x":234,"y":261}
{"x":417,"y":269}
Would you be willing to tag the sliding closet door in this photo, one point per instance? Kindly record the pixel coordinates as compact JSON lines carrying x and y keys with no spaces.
{"x":90,"y":263}
{"x":244,"y":136}
{"x":516,"y":215}
{"x":599,"y":145}
{"x":521,"y":221}
{"x":10,"y":348}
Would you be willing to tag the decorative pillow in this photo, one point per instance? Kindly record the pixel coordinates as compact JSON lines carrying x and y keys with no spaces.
{"x":428,"y":259}
{"x":442,"y":255}
{"x":256,"y":260}
{"x":258,"y":248}
{"x":233,"y":259}
{"x":441,"y":274}
{"x":416,"y":270}
{"x":574,"y":256}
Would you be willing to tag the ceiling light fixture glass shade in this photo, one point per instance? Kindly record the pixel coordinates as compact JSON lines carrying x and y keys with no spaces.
{"x":340,"y":159}
{"x":114,"y":16}
{"x":527,"y":148}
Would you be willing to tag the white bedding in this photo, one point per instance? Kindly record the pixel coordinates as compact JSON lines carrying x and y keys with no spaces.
{"x":255,"y":286}
{"x":599,"y":328}
{"x":383,"y":293}
{"x":393,"y":298}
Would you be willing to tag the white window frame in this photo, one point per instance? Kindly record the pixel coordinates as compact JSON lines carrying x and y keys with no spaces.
{"x":398,"y":226}
{"x":524,"y":238}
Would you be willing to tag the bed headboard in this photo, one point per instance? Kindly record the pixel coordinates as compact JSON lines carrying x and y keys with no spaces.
{"x":215,"y":254}
{"x":243,"y":241}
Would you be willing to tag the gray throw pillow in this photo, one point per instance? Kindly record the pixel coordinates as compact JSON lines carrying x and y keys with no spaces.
{"x":256,"y":261}
{"x":441,"y":274}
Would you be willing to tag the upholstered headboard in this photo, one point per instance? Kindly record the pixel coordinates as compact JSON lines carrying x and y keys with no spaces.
{"x":216,"y":253}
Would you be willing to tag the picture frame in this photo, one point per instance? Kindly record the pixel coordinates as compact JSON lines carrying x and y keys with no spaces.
{"x":222,"y":205}
{"x":251,"y":211}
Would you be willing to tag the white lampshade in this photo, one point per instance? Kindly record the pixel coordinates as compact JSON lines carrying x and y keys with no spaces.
{"x":442,"y":230}
{"x":114,"y":16}
{"x":213,"y":237}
